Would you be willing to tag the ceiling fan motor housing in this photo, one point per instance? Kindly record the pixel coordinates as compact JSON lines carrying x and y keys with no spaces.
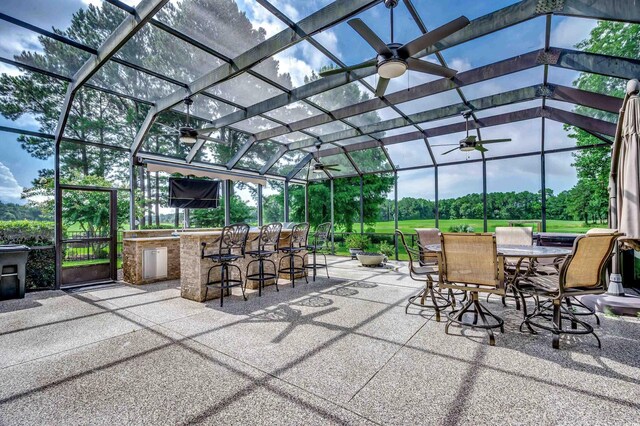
{"x":391,"y":66}
{"x":390,"y":4}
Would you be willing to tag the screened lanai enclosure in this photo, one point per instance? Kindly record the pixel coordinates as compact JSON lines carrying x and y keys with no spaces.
{"x":318,"y":212}
{"x":506,"y":114}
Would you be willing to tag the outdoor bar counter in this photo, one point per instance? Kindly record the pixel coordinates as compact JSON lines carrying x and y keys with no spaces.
{"x":184,"y":260}
{"x":194,"y":269}
{"x":134,"y":244}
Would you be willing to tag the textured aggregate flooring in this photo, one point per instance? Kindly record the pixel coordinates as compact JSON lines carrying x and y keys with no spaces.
{"x":338,"y":351}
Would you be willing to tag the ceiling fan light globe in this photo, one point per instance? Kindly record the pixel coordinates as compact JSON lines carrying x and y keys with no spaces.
{"x":467,"y":148}
{"x":392,"y":68}
{"x":188,"y":135}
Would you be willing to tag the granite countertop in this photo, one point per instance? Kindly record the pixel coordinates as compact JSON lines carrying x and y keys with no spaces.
{"x":142,"y":239}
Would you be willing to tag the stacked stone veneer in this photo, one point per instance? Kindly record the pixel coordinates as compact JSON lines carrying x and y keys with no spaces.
{"x":194,"y":269}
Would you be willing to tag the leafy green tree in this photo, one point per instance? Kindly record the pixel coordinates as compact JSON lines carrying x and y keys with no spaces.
{"x":593,"y":165}
{"x":207,"y":218}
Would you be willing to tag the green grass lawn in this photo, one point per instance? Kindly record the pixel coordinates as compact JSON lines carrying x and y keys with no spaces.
{"x":408,"y":226}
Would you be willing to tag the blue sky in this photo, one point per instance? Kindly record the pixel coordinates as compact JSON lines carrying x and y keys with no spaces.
{"x":17,"y":168}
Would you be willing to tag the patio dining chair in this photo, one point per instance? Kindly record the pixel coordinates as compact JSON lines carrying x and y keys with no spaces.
{"x":424,"y":272}
{"x":470,"y":262}
{"x":427,"y":237}
{"x":583,"y":272}
{"x":517,"y":236}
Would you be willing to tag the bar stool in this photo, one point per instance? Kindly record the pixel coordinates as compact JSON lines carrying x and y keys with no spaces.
{"x":267,"y":246}
{"x":297,"y":243}
{"x":233,"y":238}
{"x":319,"y":246}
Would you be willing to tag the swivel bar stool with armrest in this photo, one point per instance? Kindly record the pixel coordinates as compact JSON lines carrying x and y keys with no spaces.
{"x":267,"y":239}
{"x":233,"y":238}
{"x":319,"y":246}
{"x":297,"y":243}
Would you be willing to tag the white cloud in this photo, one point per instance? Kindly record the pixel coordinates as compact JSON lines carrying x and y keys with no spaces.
{"x":460,"y":64}
{"x":570,"y":31}
{"x":261,"y":17}
{"x":10,"y":190}
{"x":98,"y":3}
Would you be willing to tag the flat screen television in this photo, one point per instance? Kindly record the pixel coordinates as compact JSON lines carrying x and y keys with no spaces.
{"x":187,"y":193}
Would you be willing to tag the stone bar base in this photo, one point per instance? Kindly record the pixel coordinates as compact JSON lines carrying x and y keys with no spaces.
{"x":132,"y":252}
{"x":194,"y":269}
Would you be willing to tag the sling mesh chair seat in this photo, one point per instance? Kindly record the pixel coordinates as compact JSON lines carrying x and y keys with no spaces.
{"x":470,"y":262}
{"x":267,"y":241}
{"x":583,"y":272}
{"x":423,"y":271}
{"x":231,"y":247}
{"x":319,"y":246}
{"x":292,"y":251}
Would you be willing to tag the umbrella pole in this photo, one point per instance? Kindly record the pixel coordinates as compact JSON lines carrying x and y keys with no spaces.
{"x":615,"y":279}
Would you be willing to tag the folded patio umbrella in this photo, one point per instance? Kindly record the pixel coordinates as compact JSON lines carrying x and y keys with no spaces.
{"x":627,"y":196}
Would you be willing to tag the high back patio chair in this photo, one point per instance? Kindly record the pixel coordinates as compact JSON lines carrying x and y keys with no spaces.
{"x":426,"y":273}
{"x":292,"y":251}
{"x":266,"y":246}
{"x":514,"y":235}
{"x":582,"y":273}
{"x":231,"y":246}
{"x":517,"y":236}
{"x":426,"y":237}
{"x":319,"y":246}
{"x":470,"y":262}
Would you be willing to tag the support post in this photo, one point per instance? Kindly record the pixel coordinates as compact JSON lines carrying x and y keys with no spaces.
{"x":395,"y":214}
{"x":306,"y":202}
{"x":227,"y":202}
{"x":484,"y":193}
{"x":361,"y":205}
{"x":333,"y":244}
{"x":132,"y":195}
{"x":437,"y":207}
{"x":286,"y":201}
{"x":260,"y":211}
{"x":543,"y":181}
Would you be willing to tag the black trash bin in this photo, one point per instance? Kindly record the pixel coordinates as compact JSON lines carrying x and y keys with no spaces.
{"x":13,"y":261}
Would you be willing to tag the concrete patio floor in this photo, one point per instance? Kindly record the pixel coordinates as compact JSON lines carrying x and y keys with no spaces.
{"x":331,"y":351}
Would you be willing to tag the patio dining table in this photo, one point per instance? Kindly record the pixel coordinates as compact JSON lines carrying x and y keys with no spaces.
{"x":520,"y":252}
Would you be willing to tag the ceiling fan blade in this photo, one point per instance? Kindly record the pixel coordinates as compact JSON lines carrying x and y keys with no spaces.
{"x":430,"y":68}
{"x":209,"y":138}
{"x":331,"y":169}
{"x":432,"y":37}
{"x":167,"y":127}
{"x":481,"y":148}
{"x":370,"y":37}
{"x":345,"y":69}
{"x":494,"y":141}
{"x":451,"y":150}
{"x":328,"y":166}
{"x":446,"y":144}
{"x":382,"y":86}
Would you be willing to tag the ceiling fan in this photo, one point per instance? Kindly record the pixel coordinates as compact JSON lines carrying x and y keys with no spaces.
{"x":319,"y":167}
{"x":187,"y":134}
{"x":469,"y":143}
{"x":394,"y":59}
